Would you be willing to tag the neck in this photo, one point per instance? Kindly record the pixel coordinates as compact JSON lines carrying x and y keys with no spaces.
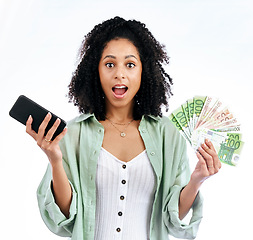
{"x":120,"y":115}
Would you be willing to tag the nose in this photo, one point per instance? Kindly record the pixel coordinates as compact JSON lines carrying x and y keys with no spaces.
{"x":120,"y":73}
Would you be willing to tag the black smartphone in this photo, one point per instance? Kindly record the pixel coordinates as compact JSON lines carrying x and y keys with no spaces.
{"x":24,"y":107}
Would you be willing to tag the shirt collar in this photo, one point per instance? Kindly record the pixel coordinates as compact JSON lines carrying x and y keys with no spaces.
{"x":84,"y":117}
{"x":153,"y":117}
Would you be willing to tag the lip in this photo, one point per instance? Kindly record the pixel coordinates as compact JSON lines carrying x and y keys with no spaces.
{"x":122,"y":95}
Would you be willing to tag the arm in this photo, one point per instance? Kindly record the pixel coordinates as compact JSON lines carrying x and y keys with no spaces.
{"x":61,"y":188}
{"x":187,"y":197}
{"x":60,"y":184}
{"x":208,"y":165}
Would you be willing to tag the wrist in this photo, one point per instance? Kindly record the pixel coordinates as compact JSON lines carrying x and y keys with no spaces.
{"x":195,"y":185}
{"x":56,"y":163}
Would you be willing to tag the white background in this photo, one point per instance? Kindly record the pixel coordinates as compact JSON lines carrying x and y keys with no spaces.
{"x":210,"y":44}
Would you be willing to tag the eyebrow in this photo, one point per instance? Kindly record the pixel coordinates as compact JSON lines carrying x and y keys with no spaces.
{"x":129,"y":56}
{"x":112,"y":56}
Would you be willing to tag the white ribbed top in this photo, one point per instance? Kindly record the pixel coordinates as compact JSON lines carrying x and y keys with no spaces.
{"x":125,"y":195}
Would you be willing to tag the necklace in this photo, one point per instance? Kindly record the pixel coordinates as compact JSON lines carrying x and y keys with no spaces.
{"x":122,"y":133}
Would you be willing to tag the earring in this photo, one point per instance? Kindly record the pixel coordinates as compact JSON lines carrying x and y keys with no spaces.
{"x":136,"y":100}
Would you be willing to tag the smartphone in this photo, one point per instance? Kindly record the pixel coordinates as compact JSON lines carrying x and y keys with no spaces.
{"x":24,"y":107}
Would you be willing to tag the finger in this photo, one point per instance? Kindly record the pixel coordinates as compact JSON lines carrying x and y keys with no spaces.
{"x":209,"y":144}
{"x":208,"y":158}
{"x":29,"y":129}
{"x":42,"y":127}
{"x":202,"y":161}
{"x":60,"y":136}
{"x":202,"y":166}
{"x":52,"y":130}
{"x":217,"y":163}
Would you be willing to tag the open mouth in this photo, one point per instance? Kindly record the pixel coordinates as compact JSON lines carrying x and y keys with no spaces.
{"x":119,"y":91}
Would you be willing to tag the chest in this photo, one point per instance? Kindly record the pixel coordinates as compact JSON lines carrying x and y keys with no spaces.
{"x":124,"y":148}
{"x":125,"y":195}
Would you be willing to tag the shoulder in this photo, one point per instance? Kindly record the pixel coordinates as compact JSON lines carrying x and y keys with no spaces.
{"x":161,"y":123}
{"x":74,"y":124}
{"x":74,"y":128}
{"x":165,"y":121}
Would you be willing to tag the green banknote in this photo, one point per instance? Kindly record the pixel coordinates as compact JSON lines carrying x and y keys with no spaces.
{"x":182,"y":120}
{"x":190,"y":105}
{"x":204,"y":111}
{"x":229,"y":152}
{"x":227,"y":145}
{"x":198,"y":102}
{"x":187,"y":115}
{"x":178,"y":126}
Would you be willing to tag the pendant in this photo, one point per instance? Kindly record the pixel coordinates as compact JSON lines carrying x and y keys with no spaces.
{"x":122,"y":134}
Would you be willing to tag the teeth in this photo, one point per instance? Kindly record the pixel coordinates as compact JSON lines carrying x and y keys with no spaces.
{"x":120,"y":87}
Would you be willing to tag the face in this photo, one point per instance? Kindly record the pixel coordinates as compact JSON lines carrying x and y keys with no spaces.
{"x":120,"y":71}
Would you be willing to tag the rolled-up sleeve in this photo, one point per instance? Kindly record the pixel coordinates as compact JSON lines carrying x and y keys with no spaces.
{"x":178,"y":228}
{"x":51,"y":214}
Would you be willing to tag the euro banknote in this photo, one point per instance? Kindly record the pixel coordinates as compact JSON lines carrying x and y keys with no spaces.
{"x":205,"y":117}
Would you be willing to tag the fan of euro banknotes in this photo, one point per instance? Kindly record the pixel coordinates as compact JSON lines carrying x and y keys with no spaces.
{"x":204,"y":117}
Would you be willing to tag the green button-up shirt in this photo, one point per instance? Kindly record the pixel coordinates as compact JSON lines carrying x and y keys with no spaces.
{"x":81,"y":146}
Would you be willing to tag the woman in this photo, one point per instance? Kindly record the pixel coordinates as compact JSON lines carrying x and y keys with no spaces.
{"x":121,"y":171}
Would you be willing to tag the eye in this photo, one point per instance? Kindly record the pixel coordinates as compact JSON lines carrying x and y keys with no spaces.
{"x":130,"y":65}
{"x":109,"y":65}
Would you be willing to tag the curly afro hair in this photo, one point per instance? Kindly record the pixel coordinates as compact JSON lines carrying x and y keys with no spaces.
{"x":85,"y":89}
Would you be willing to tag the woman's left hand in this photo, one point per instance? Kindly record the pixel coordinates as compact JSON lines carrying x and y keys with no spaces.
{"x":208,"y":164}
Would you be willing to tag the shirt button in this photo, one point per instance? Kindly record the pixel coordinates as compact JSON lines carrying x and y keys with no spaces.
{"x":120,"y":213}
{"x":123,"y":181}
{"x":152,"y":153}
{"x":118,"y":229}
{"x":143,"y":130}
{"x":124,"y":166}
{"x":122,"y":197}
{"x":99,"y":130}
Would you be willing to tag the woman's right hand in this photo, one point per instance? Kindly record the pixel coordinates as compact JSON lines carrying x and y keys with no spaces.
{"x":61,"y":188}
{"x":51,"y":148}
